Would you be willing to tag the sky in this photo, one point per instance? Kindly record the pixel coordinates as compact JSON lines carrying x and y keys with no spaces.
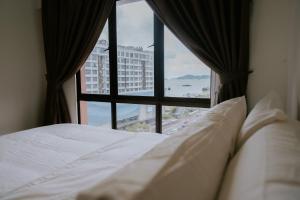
{"x":135,"y":28}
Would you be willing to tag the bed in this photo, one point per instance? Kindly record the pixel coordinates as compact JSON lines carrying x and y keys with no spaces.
{"x":222,"y":155}
{"x":55,"y":162}
{"x":60,"y":161}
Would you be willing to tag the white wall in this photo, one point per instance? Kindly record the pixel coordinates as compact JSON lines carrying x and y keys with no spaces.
{"x":272,"y":49}
{"x":298,"y":55}
{"x":22,"y":65}
{"x":294,"y":62}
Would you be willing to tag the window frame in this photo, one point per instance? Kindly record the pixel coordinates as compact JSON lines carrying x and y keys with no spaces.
{"x":158,"y":99}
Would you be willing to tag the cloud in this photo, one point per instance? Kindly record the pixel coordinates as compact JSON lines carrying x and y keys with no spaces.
{"x":135,"y":24}
{"x":135,"y":28}
{"x":182,"y":61}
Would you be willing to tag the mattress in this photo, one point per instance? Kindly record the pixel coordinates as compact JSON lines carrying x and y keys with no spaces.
{"x":58,"y":161}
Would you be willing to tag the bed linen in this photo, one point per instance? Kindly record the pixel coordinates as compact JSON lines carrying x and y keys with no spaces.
{"x":268,"y":110}
{"x":58,"y":161}
{"x":187,"y":165}
{"x":267,"y":167}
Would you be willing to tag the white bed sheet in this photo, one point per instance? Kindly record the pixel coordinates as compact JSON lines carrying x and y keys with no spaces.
{"x":58,"y":161}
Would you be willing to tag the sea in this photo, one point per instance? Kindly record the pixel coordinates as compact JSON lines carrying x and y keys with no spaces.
{"x":99,"y":112}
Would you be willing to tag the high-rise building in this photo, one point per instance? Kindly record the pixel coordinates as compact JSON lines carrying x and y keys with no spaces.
{"x":135,"y":70}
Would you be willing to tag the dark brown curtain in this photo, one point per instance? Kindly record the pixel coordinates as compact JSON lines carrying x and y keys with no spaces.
{"x":71,"y":29}
{"x":217,"y":32}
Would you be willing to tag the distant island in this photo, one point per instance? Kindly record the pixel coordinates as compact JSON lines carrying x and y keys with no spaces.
{"x":189,"y":76}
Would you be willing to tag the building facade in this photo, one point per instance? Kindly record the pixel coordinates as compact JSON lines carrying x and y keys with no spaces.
{"x":135,"y":70}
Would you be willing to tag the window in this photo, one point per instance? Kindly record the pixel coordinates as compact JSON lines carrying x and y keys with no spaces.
{"x":95,"y":113}
{"x":185,"y":75}
{"x":136,"y":118}
{"x":134,"y":41}
{"x":143,"y":78}
{"x":98,"y":65}
{"x":175,"y":118}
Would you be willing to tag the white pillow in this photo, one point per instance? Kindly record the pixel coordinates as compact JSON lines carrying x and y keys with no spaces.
{"x":267,"y":166}
{"x":268,"y":110}
{"x":187,"y":165}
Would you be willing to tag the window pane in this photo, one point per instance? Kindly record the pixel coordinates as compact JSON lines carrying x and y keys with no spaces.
{"x":185,"y":74}
{"x":95,"y":71}
{"x":136,"y":118}
{"x":175,"y":118}
{"x":95,"y":113}
{"x":135,"y":50}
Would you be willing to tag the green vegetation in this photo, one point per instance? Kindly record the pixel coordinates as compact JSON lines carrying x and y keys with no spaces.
{"x":139,"y":126}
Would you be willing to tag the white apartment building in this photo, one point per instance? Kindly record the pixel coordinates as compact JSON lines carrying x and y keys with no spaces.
{"x":135,"y":70}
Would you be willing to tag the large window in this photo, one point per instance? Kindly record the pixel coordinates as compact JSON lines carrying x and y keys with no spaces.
{"x":140,"y":77}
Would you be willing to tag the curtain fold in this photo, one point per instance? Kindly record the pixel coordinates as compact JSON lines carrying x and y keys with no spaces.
{"x":71,"y":29}
{"x":217,"y":32}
